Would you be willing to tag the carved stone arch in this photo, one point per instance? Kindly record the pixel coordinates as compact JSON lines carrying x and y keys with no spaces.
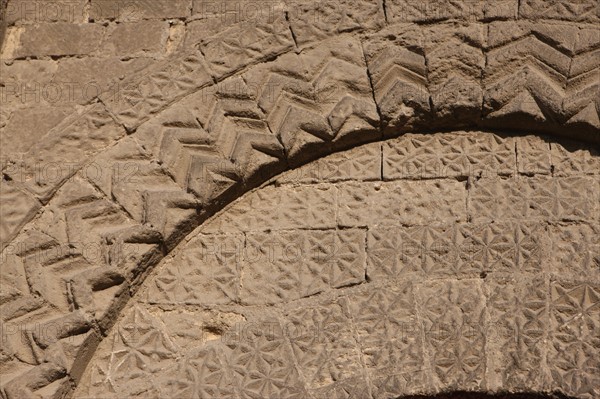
{"x":198,"y":130}
{"x":429,"y":263}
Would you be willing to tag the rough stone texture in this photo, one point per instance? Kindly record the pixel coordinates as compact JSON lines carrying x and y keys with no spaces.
{"x":314,"y":21}
{"x":232,"y":49}
{"x":64,"y":151}
{"x":101,"y":10}
{"x":41,"y":40}
{"x":40,"y":94}
{"x":18,"y":207}
{"x":136,"y":38}
{"x":435,"y":10}
{"x":25,"y":12}
{"x":562,"y":10}
{"x":211,"y":101}
{"x":210,"y":18}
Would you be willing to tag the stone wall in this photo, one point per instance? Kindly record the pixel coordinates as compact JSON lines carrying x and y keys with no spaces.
{"x":191,"y":106}
{"x":58,"y":56}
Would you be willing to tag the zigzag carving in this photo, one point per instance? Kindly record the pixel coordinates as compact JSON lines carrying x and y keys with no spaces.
{"x":395,"y":71}
{"x":18,"y":207}
{"x":243,"y":135}
{"x":195,"y":164}
{"x":528,"y":91}
{"x":548,"y":78}
{"x":84,"y":255}
{"x":582,"y":10}
{"x":400,"y":83}
{"x":581,"y":104}
{"x":528,"y":70}
{"x":309,"y":102}
{"x":222,"y":143}
{"x":140,"y":185}
{"x":528,"y":48}
{"x":535,"y":85}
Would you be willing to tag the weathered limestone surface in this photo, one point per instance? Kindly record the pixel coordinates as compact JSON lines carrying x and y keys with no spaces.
{"x":125,"y":126}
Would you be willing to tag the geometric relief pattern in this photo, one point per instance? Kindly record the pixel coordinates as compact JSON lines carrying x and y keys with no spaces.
{"x":359,"y":163}
{"x":279,"y":208}
{"x":260,"y":267}
{"x":401,"y":202}
{"x":390,"y":339}
{"x":575,"y":250}
{"x":137,"y":349}
{"x":453,"y":317}
{"x":324,"y":344}
{"x":518,"y":330}
{"x":261,"y":363}
{"x":402,"y":252}
{"x":558,"y":199}
{"x":534,"y":156}
{"x":501,"y":247}
{"x":569,"y":159}
{"x":445,"y":250}
{"x":448,"y":155}
{"x":200,"y":374}
{"x":208,"y":273}
{"x":574,"y":353}
{"x":289,"y":265}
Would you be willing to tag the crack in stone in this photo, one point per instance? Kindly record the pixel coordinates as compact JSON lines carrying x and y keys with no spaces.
{"x":287,"y":18}
{"x":380,"y":127}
